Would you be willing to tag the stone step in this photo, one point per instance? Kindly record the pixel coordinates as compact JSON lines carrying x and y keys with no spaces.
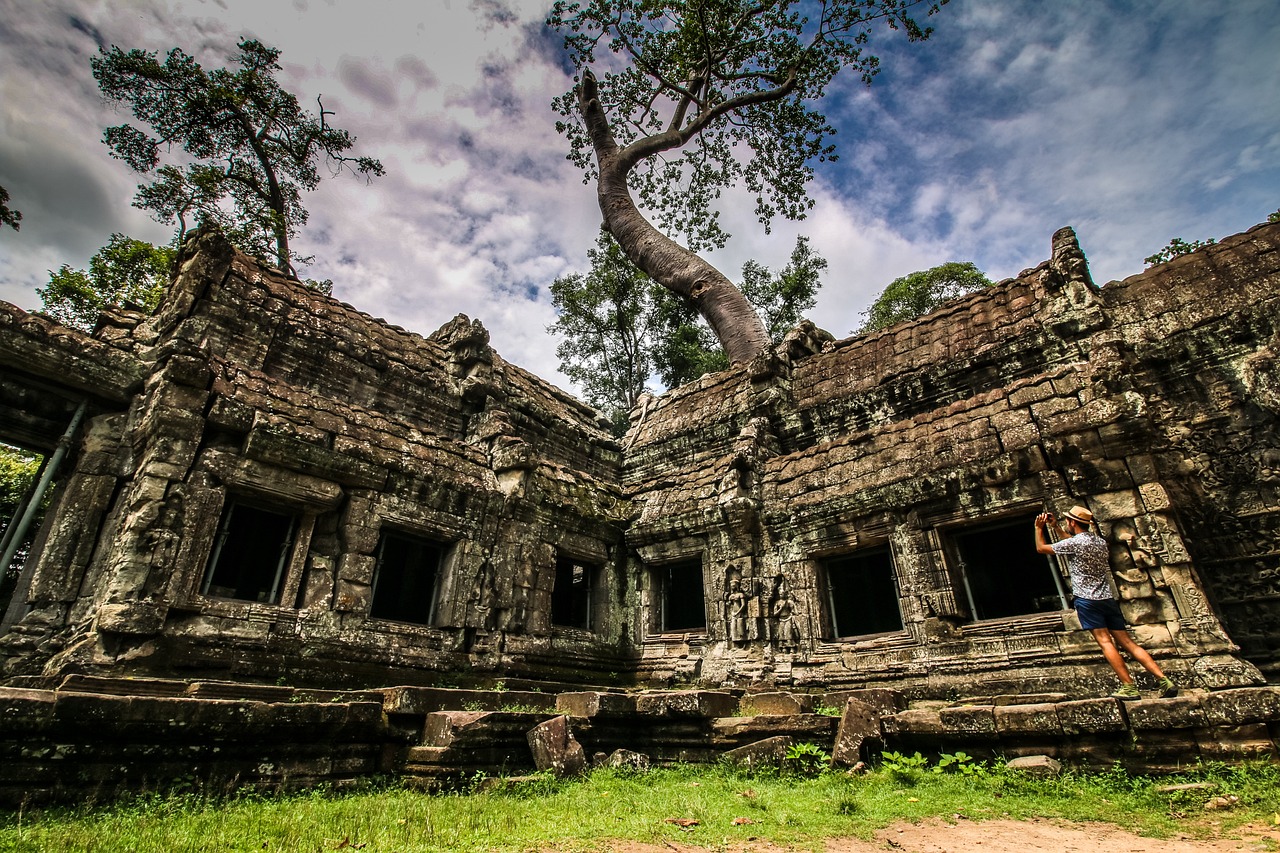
{"x":477,"y":729}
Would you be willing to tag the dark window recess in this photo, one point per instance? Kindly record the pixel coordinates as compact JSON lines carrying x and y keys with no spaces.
{"x":1002,"y":573}
{"x":861,"y":593}
{"x":571,"y":595}
{"x":683,"y":599}
{"x":250,"y":554}
{"x":404,"y":581}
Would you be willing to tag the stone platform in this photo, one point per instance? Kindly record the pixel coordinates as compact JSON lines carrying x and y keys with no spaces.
{"x":96,"y":738}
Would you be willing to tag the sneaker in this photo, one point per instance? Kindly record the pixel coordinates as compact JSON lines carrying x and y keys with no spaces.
{"x":1126,"y":693}
{"x":1167,"y":688}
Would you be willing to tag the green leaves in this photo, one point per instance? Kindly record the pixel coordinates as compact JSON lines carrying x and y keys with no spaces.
{"x":123,"y":271}
{"x":922,"y":292}
{"x":246,"y":141}
{"x":7,"y":216}
{"x":701,"y":95}
{"x":618,"y":328}
{"x":1176,"y":248}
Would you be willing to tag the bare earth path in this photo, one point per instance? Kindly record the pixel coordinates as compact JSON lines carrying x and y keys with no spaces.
{"x":994,"y":836}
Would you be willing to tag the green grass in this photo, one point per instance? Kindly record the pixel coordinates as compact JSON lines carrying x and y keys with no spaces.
{"x":582,"y":815}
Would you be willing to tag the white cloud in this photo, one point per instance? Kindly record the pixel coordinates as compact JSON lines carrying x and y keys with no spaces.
{"x":1133,"y":123}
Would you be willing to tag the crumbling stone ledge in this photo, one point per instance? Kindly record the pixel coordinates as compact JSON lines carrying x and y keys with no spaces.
{"x":97,"y":738}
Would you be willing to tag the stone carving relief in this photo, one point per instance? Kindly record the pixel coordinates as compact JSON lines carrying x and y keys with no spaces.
{"x":785,"y":631}
{"x":1260,"y":373}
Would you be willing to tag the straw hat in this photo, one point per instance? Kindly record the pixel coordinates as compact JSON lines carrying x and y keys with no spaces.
{"x":1080,"y":514}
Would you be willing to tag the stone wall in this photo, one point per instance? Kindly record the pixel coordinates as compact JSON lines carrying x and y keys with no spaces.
{"x":339,"y":429}
{"x":259,"y":460}
{"x":1150,"y":401}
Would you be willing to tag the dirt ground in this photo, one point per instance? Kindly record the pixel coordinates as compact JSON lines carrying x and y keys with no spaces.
{"x":998,"y":836}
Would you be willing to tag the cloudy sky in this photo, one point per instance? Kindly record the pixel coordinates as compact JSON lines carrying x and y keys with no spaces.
{"x":1132,"y":121}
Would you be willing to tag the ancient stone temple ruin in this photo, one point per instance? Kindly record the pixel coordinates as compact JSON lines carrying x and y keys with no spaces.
{"x":265,"y":484}
{"x":261,"y":485}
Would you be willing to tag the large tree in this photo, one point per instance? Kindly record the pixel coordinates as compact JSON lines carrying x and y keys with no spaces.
{"x":697,"y":96}
{"x":617,"y":328}
{"x":921,"y":292}
{"x":685,"y":347}
{"x":123,"y":271}
{"x":7,"y":216}
{"x":250,"y":149}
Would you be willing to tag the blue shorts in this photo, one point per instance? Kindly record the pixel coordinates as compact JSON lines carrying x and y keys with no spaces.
{"x":1104,"y":613}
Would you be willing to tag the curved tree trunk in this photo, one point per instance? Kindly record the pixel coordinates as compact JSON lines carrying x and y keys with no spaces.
{"x":721,"y":304}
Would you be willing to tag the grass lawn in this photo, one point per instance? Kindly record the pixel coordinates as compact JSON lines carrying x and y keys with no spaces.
{"x":692,"y":804}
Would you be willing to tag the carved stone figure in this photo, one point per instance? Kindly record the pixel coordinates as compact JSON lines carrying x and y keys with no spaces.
{"x":735,"y":612}
{"x":786,"y":635}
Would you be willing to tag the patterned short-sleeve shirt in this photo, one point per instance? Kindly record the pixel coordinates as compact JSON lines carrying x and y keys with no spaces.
{"x":1088,"y":564}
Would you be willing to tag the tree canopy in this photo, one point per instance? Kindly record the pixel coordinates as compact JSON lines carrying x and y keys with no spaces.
{"x":921,"y":292}
{"x":700,"y":95}
{"x":7,"y":216}
{"x":250,"y":149}
{"x":123,"y":271}
{"x":618,"y":328}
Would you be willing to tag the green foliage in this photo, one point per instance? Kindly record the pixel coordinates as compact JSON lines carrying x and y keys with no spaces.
{"x":959,"y":762}
{"x":1274,"y":217}
{"x":905,"y":769}
{"x":7,"y":215}
{"x":617,"y":328}
{"x":828,"y":710}
{"x":921,"y":292}
{"x":17,"y":474}
{"x":781,"y":299}
{"x":1177,"y":247}
{"x":123,"y":271}
{"x":715,"y":93}
{"x":805,"y":759}
{"x":248,"y":148}
{"x":603,"y":322}
{"x":685,"y":347}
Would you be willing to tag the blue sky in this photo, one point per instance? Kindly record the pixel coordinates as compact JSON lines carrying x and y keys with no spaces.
{"x":1133,"y":122}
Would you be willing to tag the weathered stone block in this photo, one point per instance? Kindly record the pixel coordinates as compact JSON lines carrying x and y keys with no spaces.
{"x":555,"y":748}
{"x":25,"y":711}
{"x":1036,"y":766}
{"x":1182,"y":712}
{"x":1240,"y":706}
{"x":883,"y":700}
{"x":690,"y":703}
{"x":356,"y":567}
{"x":774,"y":704}
{"x":1091,"y":716}
{"x":859,"y":727}
{"x":1236,"y":743}
{"x":352,"y":597}
{"x":1018,"y":720}
{"x":976,"y":721}
{"x":769,"y":752}
{"x":914,"y":722}
{"x":138,"y":618}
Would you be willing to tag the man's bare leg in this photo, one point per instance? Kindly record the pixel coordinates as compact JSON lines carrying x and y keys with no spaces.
{"x":1138,"y":653}
{"x":1112,"y":654}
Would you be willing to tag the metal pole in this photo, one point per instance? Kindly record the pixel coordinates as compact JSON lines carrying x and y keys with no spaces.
{"x":1055,"y":569}
{"x":18,"y":605}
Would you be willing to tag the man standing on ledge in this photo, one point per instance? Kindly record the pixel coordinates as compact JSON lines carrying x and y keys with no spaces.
{"x":1089,"y":566}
